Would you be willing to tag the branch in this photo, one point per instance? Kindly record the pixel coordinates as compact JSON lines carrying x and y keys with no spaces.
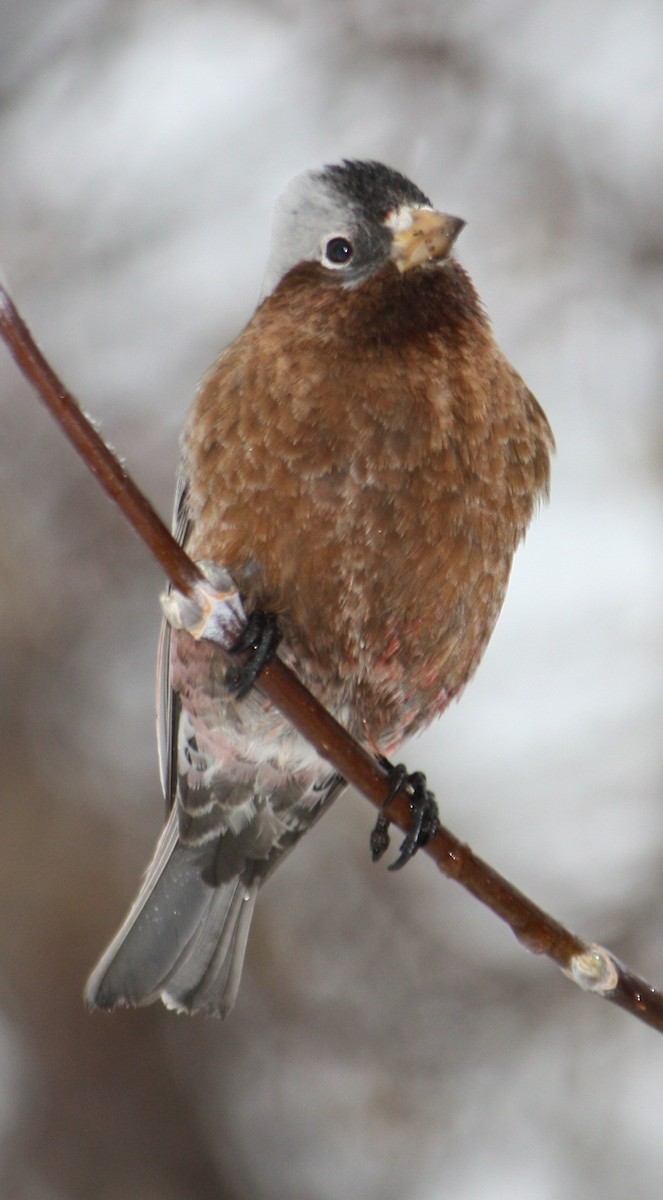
{"x":592,"y":967}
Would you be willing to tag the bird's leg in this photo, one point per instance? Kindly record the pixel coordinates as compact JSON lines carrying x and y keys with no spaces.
{"x":214,"y":611}
{"x":423,"y":809}
{"x":260,"y":636}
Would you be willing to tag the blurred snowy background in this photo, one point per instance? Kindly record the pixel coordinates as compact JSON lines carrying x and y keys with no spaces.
{"x":391,"y":1039}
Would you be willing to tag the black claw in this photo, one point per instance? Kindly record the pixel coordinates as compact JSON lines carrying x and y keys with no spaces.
{"x":425,"y":821}
{"x":380,"y":837}
{"x":425,"y":817}
{"x":261,"y":636}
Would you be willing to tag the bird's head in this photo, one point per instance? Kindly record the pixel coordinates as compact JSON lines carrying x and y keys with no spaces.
{"x":354,"y":219}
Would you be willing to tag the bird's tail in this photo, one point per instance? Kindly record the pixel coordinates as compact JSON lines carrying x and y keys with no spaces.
{"x":184,"y":939}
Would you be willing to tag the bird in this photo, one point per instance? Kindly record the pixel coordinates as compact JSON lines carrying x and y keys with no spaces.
{"x":363,"y":461}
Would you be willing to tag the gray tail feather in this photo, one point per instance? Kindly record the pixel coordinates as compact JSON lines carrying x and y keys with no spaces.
{"x":184,"y":939}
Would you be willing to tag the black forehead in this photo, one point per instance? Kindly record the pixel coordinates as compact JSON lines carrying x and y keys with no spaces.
{"x":374,"y":188}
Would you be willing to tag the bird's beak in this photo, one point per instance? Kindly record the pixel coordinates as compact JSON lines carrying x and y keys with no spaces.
{"x":420,"y":235}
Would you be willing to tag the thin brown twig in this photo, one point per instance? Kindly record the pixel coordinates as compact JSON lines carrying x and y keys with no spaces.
{"x":591,"y":967}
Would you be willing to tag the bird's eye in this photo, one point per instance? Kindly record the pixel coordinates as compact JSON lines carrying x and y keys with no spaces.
{"x":338,"y":251}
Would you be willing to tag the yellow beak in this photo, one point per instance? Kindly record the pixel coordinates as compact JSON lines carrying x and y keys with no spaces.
{"x":420,"y":235}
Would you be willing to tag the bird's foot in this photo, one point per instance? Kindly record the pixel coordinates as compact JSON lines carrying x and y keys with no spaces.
{"x":260,"y":636}
{"x":423,"y":809}
{"x":212,"y":610}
